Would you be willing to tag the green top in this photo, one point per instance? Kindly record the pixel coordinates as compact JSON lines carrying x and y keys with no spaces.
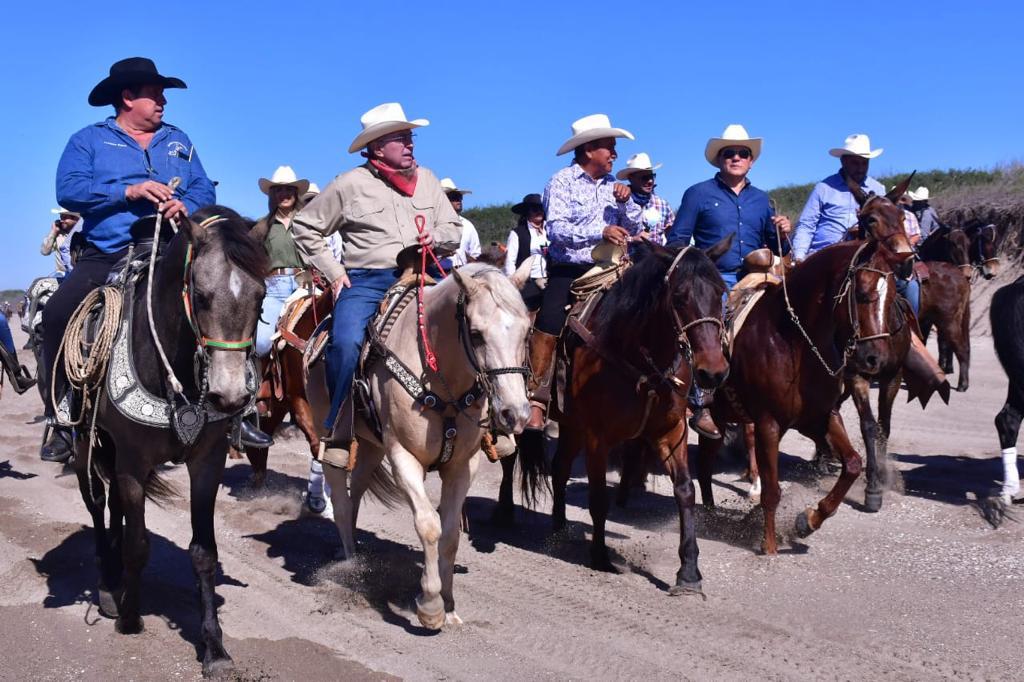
{"x":281,"y":247}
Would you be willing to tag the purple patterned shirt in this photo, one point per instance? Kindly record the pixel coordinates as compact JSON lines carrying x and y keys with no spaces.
{"x":578,"y":208}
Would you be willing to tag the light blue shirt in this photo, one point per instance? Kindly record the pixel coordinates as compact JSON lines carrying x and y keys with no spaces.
{"x":830,"y":211}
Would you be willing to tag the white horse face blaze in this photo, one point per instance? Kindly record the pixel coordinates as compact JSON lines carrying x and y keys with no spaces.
{"x":883,"y":289}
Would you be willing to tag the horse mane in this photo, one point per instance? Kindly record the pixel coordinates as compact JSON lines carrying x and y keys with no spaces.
{"x":635,"y":299}
{"x":233,"y":235}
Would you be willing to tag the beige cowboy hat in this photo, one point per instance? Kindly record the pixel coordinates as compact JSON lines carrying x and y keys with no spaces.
{"x":382,"y":120}
{"x":61,"y":211}
{"x":857,"y":144}
{"x":734,"y":135}
{"x":590,"y":128}
{"x":448,"y":185}
{"x":636,"y":163}
{"x":920,"y":194}
{"x":312,"y":191}
{"x":284,"y":175}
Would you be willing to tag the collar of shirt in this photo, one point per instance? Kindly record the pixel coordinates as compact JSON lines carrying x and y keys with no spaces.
{"x":728,"y":189}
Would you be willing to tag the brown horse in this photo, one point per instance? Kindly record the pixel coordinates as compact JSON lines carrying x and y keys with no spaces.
{"x":283,"y":391}
{"x":787,"y":366}
{"x":656,"y":330}
{"x":946,"y":305}
{"x":984,"y":248}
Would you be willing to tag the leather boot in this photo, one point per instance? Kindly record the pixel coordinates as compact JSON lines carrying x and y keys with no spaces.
{"x":542,"y":354}
{"x":59,"y":448}
{"x":19,"y":376}
{"x":252,"y":437}
{"x":923,"y":374}
{"x":700,"y":420}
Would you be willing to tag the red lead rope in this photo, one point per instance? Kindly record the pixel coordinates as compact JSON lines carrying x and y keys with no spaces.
{"x":428,"y":353}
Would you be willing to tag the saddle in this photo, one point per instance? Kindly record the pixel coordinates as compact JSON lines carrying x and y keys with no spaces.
{"x":764,"y":271}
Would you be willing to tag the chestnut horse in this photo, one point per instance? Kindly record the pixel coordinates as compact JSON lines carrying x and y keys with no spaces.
{"x":787,"y":364}
{"x":656,"y":330}
{"x":945,"y":296}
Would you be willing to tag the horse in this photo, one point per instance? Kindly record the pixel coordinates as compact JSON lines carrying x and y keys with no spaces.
{"x":984,"y":248}
{"x":1006,"y":315}
{"x":477,"y":323}
{"x":206,"y":294}
{"x":656,"y":331}
{"x":947,"y":245}
{"x":787,"y":364}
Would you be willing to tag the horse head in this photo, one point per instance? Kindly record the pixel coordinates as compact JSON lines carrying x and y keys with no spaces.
{"x":494,"y":324}
{"x":880,"y":218}
{"x":984,"y":248}
{"x":223,"y":291}
{"x":868,"y":313}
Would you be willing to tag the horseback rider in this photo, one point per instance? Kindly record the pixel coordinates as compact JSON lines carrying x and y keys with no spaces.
{"x":529,"y":238}
{"x":379,"y":208}
{"x":713,"y":209}
{"x":58,"y":241}
{"x":657,"y":216}
{"x":584,"y":205}
{"x":469,"y":245}
{"x":921,"y":208}
{"x":112,"y":173}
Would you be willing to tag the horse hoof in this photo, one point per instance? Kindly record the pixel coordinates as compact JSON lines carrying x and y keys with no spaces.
{"x":681,"y":589}
{"x":107,"y":603}
{"x":431,"y":621}
{"x":452,"y":620}
{"x":961,"y":388}
{"x":129,"y":626}
{"x":217,"y":666}
{"x":600,"y":562}
{"x":803,"y":524}
{"x":872,"y":502}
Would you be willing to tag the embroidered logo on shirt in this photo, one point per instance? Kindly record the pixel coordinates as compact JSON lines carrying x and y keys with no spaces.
{"x":175,"y":148}
{"x":114,"y":144}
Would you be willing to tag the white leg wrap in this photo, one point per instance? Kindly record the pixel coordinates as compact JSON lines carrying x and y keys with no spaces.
{"x":316,"y":479}
{"x":1011,"y":478}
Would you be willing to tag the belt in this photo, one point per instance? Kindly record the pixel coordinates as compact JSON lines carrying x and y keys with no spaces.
{"x":285,"y":271}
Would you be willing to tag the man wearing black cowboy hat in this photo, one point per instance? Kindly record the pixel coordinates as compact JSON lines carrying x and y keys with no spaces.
{"x":113,"y":173}
{"x":529,"y":238}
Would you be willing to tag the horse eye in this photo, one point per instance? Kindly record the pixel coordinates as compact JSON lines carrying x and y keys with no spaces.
{"x":476,"y":336}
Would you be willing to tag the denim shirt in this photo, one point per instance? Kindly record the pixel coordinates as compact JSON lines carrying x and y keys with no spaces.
{"x":710,"y":211}
{"x":830,"y":211}
{"x":101,"y":160}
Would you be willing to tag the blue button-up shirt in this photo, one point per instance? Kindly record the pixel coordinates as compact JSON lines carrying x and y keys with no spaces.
{"x":100,"y":161}
{"x":830,"y":211}
{"x":710,"y":211}
{"x":578,"y":208}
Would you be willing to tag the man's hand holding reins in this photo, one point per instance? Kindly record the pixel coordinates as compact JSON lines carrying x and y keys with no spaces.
{"x":782,"y":222}
{"x":616,"y":235}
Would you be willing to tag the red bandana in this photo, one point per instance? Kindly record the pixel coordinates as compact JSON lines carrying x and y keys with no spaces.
{"x":402,"y":181}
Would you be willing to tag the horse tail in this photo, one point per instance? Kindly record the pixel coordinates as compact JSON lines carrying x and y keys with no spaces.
{"x":1006,"y":316}
{"x":384,"y":487}
{"x":159,"y":489}
{"x":534,"y":472}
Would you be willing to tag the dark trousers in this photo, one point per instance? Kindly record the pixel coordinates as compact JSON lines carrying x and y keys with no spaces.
{"x":551,"y":317}
{"x":90,"y":272}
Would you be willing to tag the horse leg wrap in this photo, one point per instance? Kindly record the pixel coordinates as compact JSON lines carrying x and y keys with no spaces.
{"x":315,"y":486}
{"x":1011,"y":477}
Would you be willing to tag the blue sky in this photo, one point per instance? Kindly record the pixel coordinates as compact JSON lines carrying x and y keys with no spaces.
{"x":937,"y":84}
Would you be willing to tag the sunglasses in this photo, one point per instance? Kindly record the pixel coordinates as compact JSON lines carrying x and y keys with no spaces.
{"x":730,"y":152}
{"x":405,"y":138}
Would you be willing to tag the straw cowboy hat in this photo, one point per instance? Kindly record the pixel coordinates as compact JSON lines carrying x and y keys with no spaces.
{"x":857,"y":144}
{"x":528,"y":202}
{"x":382,"y":120}
{"x":734,"y":135}
{"x":590,"y":128}
{"x":126,"y":73}
{"x":61,"y":211}
{"x":284,"y":176}
{"x":920,"y":194}
{"x":636,"y":163}
{"x":448,"y":185}
{"x":312,"y":191}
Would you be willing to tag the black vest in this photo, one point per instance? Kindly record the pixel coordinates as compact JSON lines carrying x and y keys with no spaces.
{"x":525,"y":240}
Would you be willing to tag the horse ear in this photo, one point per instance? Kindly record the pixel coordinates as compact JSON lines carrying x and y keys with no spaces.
{"x":899,"y":190}
{"x":194,"y":230}
{"x":716,"y":251}
{"x":858,"y":193}
{"x":522,"y":274}
{"x":467,"y":284}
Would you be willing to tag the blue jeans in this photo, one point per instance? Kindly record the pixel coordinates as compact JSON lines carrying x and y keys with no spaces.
{"x":279,"y":288}
{"x":910,"y":289}
{"x":5,"y":335}
{"x":352,"y":312}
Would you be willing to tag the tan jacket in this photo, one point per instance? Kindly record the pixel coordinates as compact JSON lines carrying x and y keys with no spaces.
{"x":375,"y":222}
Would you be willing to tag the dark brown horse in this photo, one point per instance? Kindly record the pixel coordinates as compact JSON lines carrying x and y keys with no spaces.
{"x":946,"y":305}
{"x":984,"y":248}
{"x":787,"y":364}
{"x":655,"y":331}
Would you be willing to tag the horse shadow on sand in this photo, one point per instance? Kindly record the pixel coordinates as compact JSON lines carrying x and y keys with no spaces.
{"x":382,"y":570}
{"x":168,"y":584}
{"x":8,"y":471}
{"x":237,"y":481}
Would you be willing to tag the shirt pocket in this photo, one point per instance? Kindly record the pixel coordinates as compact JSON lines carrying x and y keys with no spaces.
{"x":365,"y":211}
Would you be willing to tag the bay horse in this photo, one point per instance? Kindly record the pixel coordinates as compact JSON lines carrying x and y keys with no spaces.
{"x":656,"y":331}
{"x":1006,"y":315}
{"x":984,"y":248}
{"x":207,"y":288}
{"x":787,"y":364}
{"x":477,"y":324}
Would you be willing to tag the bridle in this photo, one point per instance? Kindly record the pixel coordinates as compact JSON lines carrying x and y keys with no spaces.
{"x":681,"y":329}
{"x":187,"y":287}
{"x":851,"y":305}
{"x":979,"y":262}
{"x":484,"y":375}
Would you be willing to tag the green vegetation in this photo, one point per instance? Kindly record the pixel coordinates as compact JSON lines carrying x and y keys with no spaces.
{"x":492,"y":222}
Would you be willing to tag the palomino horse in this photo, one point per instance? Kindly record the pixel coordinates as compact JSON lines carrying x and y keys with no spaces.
{"x":477,"y":324}
{"x":787,"y":363}
{"x":206,"y":294}
{"x":657,"y":330}
{"x":1006,"y":315}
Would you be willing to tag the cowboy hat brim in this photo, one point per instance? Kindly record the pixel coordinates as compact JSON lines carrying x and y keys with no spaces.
{"x":626,"y":172}
{"x":522,"y":206}
{"x":717,"y":144}
{"x":63,"y":212}
{"x":107,"y":90}
{"x":456,"y":190}
{"x":590,"y":136}
{"x":301,"y":186}
{"x":379,"y":130}
{"x":840,"y":152}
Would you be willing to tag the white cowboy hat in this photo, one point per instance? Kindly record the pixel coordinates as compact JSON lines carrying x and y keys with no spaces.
{"x":920,"y":194}
{"x":284,"y":175}
{"x":381,"y":120}
{"x":448,"y":185}
{"x":61,"y":211}
{"x":734,"y":135}
{"x":857,"y":144}
{"x":637,"y":162}
{"x":590,"y":128}
{"x":313,"y":188}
